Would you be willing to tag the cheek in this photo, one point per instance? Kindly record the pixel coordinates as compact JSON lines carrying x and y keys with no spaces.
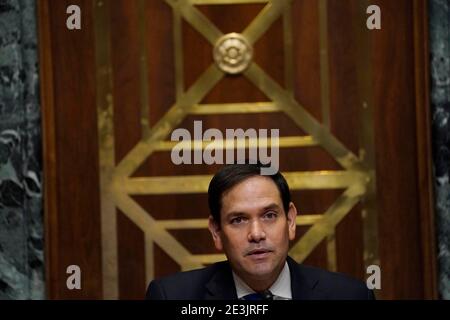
{"x":233,"y":241}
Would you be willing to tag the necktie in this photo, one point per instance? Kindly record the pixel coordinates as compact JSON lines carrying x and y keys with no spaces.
{"x":264,"y":295}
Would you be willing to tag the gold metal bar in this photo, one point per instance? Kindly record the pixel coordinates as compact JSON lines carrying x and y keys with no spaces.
{"x":168,"y":122}
{"x":308,"y":219}
{"x":143,"y":69}
{"x":324,"y":227}
{"x":284,"y":142}
{"x":178,"y":47}
{"x":288,"y":49}
{"x":105,"y":125}
{"x":324,"y":66}
{"x":147,"y":223}
{"x":302,"y":118}
{"x":227,"y":108}
{"x":316,"y":180}
{"x":197,"y":20}
{"x":175,"y":224}
{"x":213,"y":2}
{"x":331,"y":252}
{"x":200,"y":183}
{"x":208,"y":258}
{"x":264,"y":20}
{"x":166,"y":185}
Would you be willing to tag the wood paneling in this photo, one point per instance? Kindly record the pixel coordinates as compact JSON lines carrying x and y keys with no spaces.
{"x":125,"y":66}
{"x":72,"y":210}
{"x":424,"y":160}
{"x":405,"y":255}
{"x":131,"y":251}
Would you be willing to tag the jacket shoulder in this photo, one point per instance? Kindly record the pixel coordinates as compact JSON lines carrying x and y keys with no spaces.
{"x":333,"y":285}
{"x":187,"y":285}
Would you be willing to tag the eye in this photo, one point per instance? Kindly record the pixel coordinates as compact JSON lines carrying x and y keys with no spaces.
{"x":271,"y":215}
{"x":237,"y":220}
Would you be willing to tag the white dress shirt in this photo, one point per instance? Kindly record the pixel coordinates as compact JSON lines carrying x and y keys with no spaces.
{"x":281,"y":288}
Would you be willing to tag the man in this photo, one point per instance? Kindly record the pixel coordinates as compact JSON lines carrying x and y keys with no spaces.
{"x":252,"y":220}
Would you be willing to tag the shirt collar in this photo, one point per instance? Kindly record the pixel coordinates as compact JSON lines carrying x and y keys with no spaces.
{"x":281,"y":288}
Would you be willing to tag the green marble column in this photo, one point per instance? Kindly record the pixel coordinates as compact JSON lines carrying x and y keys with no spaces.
{"x":439,"y":14}
{"x":21,"y":226}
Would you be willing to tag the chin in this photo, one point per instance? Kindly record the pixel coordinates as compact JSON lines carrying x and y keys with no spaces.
{"x":261,"y":269}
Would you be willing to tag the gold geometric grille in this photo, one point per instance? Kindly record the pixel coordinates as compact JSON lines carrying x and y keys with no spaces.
{"x":117,"y":183}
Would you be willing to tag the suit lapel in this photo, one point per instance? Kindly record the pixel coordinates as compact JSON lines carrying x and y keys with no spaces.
{"x":221,"y":285}
{"x":302,"y":287}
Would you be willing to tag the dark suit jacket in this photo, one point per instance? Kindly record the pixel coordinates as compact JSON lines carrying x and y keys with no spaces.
{"x":216,"y":283}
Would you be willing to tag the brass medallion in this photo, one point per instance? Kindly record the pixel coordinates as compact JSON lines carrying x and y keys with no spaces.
{"x":232,"y":53}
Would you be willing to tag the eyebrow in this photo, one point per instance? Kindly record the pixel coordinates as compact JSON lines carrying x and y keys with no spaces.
{"x":272,"y":206}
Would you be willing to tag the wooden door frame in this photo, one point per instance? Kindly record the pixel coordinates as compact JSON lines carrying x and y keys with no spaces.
{"x":424,"y":148}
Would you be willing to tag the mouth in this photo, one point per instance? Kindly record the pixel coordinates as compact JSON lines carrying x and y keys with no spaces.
{"x":258,"y":253}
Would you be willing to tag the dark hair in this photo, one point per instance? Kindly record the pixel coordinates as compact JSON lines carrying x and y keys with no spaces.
{"x":231,"y":175}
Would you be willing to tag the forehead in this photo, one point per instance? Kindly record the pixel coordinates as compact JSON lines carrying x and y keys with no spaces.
{"x":251,"y":194}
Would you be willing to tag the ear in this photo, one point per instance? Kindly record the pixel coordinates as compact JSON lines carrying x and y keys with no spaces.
{"x":292,"y":220}
{"x":215,"y":232}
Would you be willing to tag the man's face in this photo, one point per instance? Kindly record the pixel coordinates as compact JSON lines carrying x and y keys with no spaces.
{"x":255,"y":231}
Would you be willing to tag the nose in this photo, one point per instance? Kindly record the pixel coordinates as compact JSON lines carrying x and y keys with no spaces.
{"x":256,"y":232}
